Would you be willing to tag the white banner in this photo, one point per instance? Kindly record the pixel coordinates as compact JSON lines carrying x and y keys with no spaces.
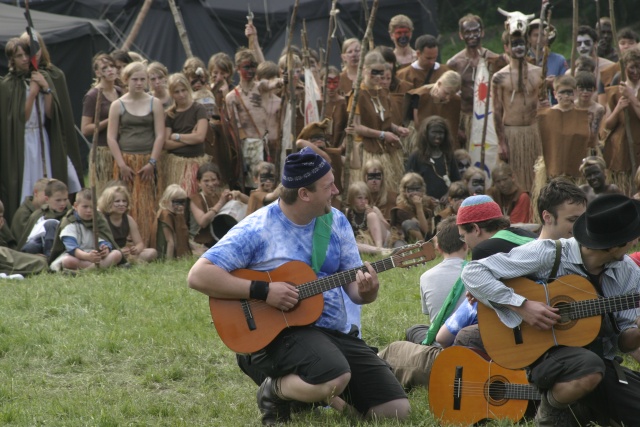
{"x":480,"y":95}
{"x":311,"y":113}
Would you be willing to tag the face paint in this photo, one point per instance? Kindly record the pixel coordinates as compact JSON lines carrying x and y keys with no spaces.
{"x":471,"y":33}
{"x":402,"y":36}
{"x":584,"y":45}
{"x":518,"y":48}
{"x":633,"y":71}
{"x":378,"y":73}
{"x":264,"y":177}
{"x":247,"y":70}
{"x":374,"y":175}
{"x":333,"y":83}
{"x":436,"y":135}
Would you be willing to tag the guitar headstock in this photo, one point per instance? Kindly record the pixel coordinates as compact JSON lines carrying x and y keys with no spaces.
{"x":412,"y":255}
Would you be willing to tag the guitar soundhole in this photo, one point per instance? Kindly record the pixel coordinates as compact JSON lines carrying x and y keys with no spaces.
{"x":562,"y":302}
{"x":495,"y":390}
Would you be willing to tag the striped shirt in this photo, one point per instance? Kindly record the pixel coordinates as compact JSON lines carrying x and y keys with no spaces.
{"x":535,"y":260}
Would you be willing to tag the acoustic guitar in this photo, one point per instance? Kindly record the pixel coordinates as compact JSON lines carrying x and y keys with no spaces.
{"x":247,"y":326}
{"x":466,"y":387}
{"x":580,"y":322}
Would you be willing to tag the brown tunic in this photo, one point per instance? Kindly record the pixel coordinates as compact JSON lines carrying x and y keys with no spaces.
{"x":391,"y":203}
{"x":427,"y":107}
{"x":397,"y":99}
{"x":371,"y":119}
{"x":346,"y":84}
{"x":178,"y":226}
{"x":565,"y":137}
{"x":607,"y":74}
{"x":418,"y":78}
{"x":204,"y":235}
{"x":616,"y":148}
{"x":337,"y":112}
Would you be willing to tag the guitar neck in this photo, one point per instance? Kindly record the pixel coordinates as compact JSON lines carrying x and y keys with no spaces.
{"x":521,"y":392}
{"x":599,"y":306}
{"x":309,"y":289}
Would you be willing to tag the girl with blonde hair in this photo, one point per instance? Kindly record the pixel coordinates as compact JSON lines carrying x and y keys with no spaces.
{"x":170,"y":232}
{"x":365,"y":222}
{"x":135,"y":135}
{"x":158,"y":74}
{"x":350,"y":60}
{"x":114,"y":205}
{"x":412,"y":219}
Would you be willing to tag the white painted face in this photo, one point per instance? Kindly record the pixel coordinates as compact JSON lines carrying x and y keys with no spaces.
{"x":584,"y":45}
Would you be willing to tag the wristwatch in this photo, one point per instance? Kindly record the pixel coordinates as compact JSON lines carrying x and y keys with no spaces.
{"x":46,"y":91}
{"x":381,"y":136}
{"x":153,"y":162}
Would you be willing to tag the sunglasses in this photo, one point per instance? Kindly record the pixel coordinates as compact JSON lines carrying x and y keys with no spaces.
{"x":179,"y":202}
{"x":377,"y":73}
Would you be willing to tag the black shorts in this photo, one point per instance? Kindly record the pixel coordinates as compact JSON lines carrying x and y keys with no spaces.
{"x":562,"y":364}
{"x":319,"y":355}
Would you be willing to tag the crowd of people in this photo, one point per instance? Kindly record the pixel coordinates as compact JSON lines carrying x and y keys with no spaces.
{"x":176,"y":153}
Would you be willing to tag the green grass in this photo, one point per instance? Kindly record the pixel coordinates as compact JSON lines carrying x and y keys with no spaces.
{"x":136,"y":347}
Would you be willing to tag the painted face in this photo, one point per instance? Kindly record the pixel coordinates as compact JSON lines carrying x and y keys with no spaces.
{"x":374,"y":76}
{"x":138,"y":82}
{"x":21,"y":60}
{"x":107,"y":71}
{"x":414,"y":189}
{"x":518,"y":48}
{"x":374,"y":180}
{"x":385,"y":81}
{"x":267,"y":181}
{"x":584,"y":45}
{"x":585,"y":93}
{"x":209,"y":183}
{"x":436,"y":134}
{"x":463,"y":165}
{"x":633,"y":71}
{"x":626,"y":44}
{"x":471,"y":33}
{"x":566,"y":96}
{"x":84,"y":209}
{"x":351,"y":56}
{"x":504,"y":183}
{"x":178,"y":204}
{"x":428,"y":57}
{"x":120,"y":204}
{"x":401,"y":36}
{"x":333,"y":83}
{"x":157,"y":81}
{"x":595,"y":177}
{"x":247,"y":70}
{"x":476,"y":184}
{"x":197,"y":83}
{"x":58,"y":201}
{"x":606,"y":36}
{"x":561,"y":227}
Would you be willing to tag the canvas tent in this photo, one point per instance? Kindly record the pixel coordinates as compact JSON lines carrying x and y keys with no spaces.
{"x":218,"y":25}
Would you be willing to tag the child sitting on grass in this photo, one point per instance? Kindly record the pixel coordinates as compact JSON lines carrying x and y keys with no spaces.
{"x":365,"y":221}
{"x":74,"y":247}
{"x":170,"y":234}
{"x":114,"y":205}
{"x":264,"y":175}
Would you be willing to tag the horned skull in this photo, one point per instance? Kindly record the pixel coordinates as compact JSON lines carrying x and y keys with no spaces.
{"x":516,"y":21}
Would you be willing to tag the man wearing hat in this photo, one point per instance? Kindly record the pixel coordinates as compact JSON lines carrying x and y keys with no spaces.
{"x":589,"y":378}
{"x":319,"y":362}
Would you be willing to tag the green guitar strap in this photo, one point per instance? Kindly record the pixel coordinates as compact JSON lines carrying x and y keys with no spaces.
{"x":321,"y":237}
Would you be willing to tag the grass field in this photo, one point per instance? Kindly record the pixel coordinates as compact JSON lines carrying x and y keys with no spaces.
{"x":136,"y":347}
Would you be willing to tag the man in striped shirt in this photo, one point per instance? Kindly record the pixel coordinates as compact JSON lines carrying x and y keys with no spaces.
{"x":588,"y":377}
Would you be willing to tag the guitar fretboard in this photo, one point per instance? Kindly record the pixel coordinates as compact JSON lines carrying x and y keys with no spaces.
{"x":598,"y":306}
{"x":522,"y":392}
{"x":318,"y":286}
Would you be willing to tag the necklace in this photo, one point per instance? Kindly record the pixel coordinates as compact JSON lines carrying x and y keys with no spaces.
{"x":377,"y":104}
{"x":354,"y":220}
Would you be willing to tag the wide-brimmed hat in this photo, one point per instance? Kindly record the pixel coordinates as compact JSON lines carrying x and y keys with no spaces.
{"x":610,"y":220}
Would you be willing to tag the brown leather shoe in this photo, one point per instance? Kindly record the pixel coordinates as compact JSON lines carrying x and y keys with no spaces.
{"x":274,"y":410}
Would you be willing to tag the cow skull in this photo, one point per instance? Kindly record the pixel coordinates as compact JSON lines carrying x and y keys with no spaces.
{"x":516,"y":21}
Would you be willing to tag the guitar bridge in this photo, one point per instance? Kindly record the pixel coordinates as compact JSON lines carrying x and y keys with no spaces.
{"x":246,"y":309}
{"x":517,"y":335}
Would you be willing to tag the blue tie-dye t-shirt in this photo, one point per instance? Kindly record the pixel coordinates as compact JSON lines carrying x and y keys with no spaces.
{"x":267,"y":239}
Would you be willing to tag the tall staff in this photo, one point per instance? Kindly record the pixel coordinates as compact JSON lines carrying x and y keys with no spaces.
{"x":93,"y":178}
{"x":290,"y":71}
{"x":356,"y":93}
{"x":330,"y":37}
{"x":575,"y":36}
{"x":182,"y":31}
{"x":623,"y":79}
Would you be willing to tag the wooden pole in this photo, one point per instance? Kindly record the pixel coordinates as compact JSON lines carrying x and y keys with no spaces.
{"x":182,"y":32}
{"x":623,"y":79}
{"x":92,"y":177}
{"x":137,"y":25}
{"x":575,"y":36}
{"x":291,"y":83}
{"x":540,"y":32}
{"x":330,"y":37}
{"x":356,"y":94}
{"x":485,"y":123}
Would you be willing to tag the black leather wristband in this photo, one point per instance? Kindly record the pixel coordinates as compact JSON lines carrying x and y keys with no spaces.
{"x":259,"y":290}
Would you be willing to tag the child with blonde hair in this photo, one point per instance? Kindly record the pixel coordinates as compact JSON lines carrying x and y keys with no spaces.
{"x":412,"y":219}
{"x":365,"y":220}
{"x":170,"y":235}
{"x":114,"y":205}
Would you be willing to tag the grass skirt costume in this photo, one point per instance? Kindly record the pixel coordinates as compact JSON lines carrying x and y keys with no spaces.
{"x":183,"y":171}
{"x":524,"y":149}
